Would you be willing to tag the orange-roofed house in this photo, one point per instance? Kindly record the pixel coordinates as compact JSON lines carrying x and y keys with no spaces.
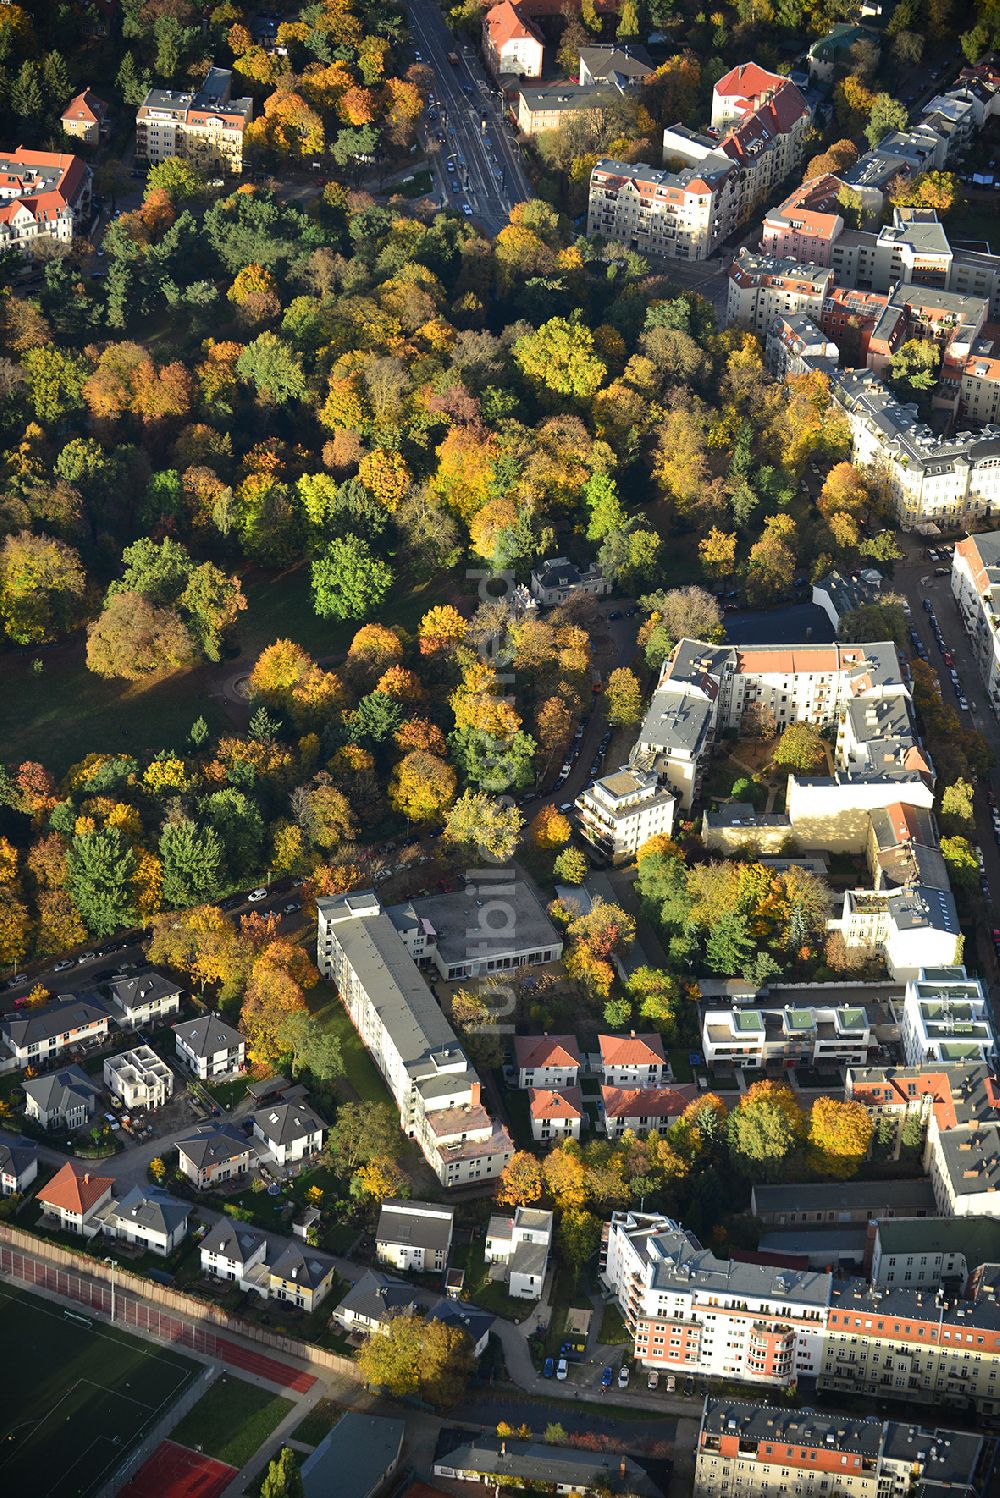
{"x":742,"y":90}
{"x":43,"y":195}
{"x":85,"y":117}
{"x":547,"y":1060}
{"x":512,"y":44}
{"x":74,"y":1197}
{"x":633,"y":1060}
{"x":644,"y":1110}
{"x":555,"y":1114}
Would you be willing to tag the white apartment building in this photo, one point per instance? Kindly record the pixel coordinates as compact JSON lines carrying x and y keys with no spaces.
{"x":795,"y":346}
{"x":759,"y":1451}
{"x":786,"y":1036}
{"x":620,"y":812}
{"x":521,"y":1244}
{"x":916,"y":927}
{"x":206,"y":127}
{"x":414,"y":1235}
{"x":44,"y":195}
{"x":932,"y":1253}
{"x":691,"y":1312}
{"x":139,"y":1078}
{"x":946,"y":1017}
{"x":975,"y":584}
{"x":633,"y":1060}
{"x":493,"y":924}
{"x":410,"y":1040}
{"x":551,"y":1061}
{"x":762,"y":288}
{"x":555,"y":1114}
{"x":208,"y":1047}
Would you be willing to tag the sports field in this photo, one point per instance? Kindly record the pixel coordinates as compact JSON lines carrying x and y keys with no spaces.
{"x":75,"y":1396}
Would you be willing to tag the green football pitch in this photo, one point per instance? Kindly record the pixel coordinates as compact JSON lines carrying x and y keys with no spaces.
{"x":75,"y":1396}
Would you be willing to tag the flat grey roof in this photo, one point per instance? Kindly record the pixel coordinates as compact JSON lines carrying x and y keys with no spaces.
{"x":422,"y":1227}
{"x":489,"y":920}
{"x":843,"y":1196}
{"x":354,"y":1458}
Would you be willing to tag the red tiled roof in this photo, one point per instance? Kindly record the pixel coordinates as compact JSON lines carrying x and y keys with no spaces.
{"x":631,"y":1050}
{"x":532,"y":1051}
{"x":545,"y":1102}
{"x":74,"y":1189}
{"x":747,"y":81}
{"x":505,"y":22}
{"x":893,"y":1093}
{"x":647,"y":1102}
{"x":86,"y":106}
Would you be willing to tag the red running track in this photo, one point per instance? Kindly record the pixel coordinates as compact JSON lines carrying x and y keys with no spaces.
{"x":175,"y":1472}
{"x":264,"y":1367}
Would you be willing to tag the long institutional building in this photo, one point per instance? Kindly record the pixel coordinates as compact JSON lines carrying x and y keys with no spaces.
{"x":371,"y":954}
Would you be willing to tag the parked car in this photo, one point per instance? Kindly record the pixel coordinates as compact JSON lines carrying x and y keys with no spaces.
{"x":671,"y":1383}
{"x":562,"y":1369}
{"x":61,"y":967}
{"x":548,"y":1367}
{"x":623,"y":1374}
{"x":688,"y":1386}
{"x":255,"y":895}
{"x":607,"y":1378}
{"x":85,"y":957}
{"x":615,"y":614}
{"x":653,"y":1379}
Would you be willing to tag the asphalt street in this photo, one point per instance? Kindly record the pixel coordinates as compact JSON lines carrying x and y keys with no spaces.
{"x":914,"y":578}
{"x":489,"y":176}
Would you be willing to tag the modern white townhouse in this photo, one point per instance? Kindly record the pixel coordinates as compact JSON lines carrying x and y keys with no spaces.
{"x":759,"y":1035}
{"x":209,"y":1048}
{"x":946,"y":1017}
{"x":148,"y":1218}
{"x":414,"y":1235}
{"x":213,"y":1155}
{"x":411,"y":1041}
{"x":620,"y":812}
{"x":521,"y":1243}
{"x":633,"y":1060}
{"x":63,"y":1099}
{"x":290,"y":1131}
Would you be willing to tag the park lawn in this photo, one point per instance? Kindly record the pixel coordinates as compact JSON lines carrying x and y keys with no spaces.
{"x":280,"y":606}
{"x":232,"y":1420}
{"x":361,"y":1078}
{"x":70,"y":1384}
{"x":319,"y":1422}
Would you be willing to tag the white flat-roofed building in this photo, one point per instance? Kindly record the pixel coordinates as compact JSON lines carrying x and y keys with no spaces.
{"x":802,"y":1035}
{"x":410,"y":1039}
{"x":946,"y":1017}
{"x":620,"y":812}
{"x":491,"y":925}
{"x":140,"y":1078}
{"x":521,"y":1243}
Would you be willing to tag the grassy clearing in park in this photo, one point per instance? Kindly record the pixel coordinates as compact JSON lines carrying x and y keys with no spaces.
{"x":75,"y":1396}
{"x":231,"y":1421}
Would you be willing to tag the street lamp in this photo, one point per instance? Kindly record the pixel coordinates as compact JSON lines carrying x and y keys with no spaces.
{"x":113,"y":1268}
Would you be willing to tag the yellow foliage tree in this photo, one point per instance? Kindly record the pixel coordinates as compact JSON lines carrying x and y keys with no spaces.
{"x":422,"y":786}
{"x":840,"y":1133}
{"x":521,"y":1181}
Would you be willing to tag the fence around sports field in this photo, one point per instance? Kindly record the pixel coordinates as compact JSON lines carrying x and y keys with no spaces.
{"x":142,"y":1304}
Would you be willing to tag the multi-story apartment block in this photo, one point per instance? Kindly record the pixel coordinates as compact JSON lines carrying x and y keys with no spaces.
{"x":43,"y":195}
{"x":932,"y":1253}
{"x":691,"y":1312}
{"x":619,"y":812}
{"x":548,"y":106}
{"x":682,"y":215}
{"x":643,"y":1110}
{"x":547,"y":1060}
{"x":805,"y":227}
{"x":909,"y":1344}
{"x":412,"y":1043}
{"x":946,"y":1017}
{"x":763,"y":287}
{"x":207,"y":127}
{"x":975,"y":584}
{"x":796,"y":346}
{"x":806,"y":1035}
{"x":929,"y":478}
{"x":512,"y":44}
{"x":760,"y":1452}
{"x":979,"y":379}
